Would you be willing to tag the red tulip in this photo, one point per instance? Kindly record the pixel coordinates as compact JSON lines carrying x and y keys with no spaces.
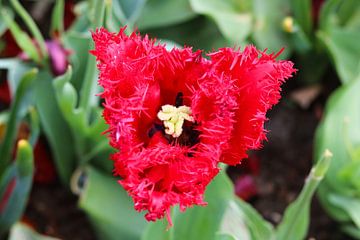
{"x":175,"y":115}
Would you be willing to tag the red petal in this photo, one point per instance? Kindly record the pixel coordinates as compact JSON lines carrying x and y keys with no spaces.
{"x":258,"y":78}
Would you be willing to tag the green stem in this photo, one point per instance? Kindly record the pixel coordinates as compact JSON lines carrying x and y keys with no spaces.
{"x":102,"y":146}
{"x":88,"y":83}
{"x":312,"y":181}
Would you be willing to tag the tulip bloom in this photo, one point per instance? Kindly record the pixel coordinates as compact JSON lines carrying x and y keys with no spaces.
{"x":175,"y":115}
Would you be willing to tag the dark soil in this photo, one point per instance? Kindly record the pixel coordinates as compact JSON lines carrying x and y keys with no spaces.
{"x":286,"y":160}
{"x":52,"y":210}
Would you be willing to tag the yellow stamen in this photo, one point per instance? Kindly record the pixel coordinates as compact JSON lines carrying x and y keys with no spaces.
{"x":174,"y":118}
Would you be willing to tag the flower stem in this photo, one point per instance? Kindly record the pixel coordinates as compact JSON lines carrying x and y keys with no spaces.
{"x":296,"y":215}
{"x":32,"y":26}
{"x":89,"y":79}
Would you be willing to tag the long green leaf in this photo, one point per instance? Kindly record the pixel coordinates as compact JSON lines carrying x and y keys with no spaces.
{"x":57,"y":17}
{"x":225,"y":236}
{"x":14,"y":118}
{"x":207,"y":219}
{"x":55,"y":127}
{"x":345,"y":51}
{"x":349,"y":204}
{"x":109,"y":207}
{"x":31,"y":25}
{"x":21,"y":38}
{"x":258,"y":227}
{"x":302,"y":13}
{"x":351,"y":231}
{"x":295,"y":222}
{"x":201,"y":33}
{"x":156,"y":230}
{"x":88,"y":87}
{"x":158,"y":13}
{"x":267,"y":32}
{"x":128,"y":11}
{"x":339,"y":127}
{"x":19,"y":175}
{"x":234,"y":23}
{"x":3,"y":24}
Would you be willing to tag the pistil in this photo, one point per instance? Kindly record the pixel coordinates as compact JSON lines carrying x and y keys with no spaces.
{"x":173,"y":118}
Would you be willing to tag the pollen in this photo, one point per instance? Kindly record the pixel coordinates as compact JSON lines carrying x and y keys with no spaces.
{"x":173,"y":118}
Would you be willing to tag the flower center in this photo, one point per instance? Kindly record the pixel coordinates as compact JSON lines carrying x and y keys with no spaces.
{"x":173,"y":118}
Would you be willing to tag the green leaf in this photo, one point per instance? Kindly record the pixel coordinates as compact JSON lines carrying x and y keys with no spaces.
{"x":225,"y":236}
{"x":24,"y":159}
{"x":295,"y":222}
{"x":34,"y":126}
{"x":234,"y":23}
{"x":32,"y":27}
{"x":340,"y":126}
{"x":351,"y":231}
{"x":225,"y":217}
{"x":14,"y":119}
{"x":350,"y":175}
{"x":200,"y":33}
{"x":300,"y":41}
{"x":117,"y":16}
{"x":128,"y":12}
{"x":233,"y":223}
{"x":3,"y":25}
{"x":338,"y":13}
{"x":157,"y":13}
{"x":206,"y":220}
{"x":302,"y":13}
{"x":131,"y":8}
{"x":54,"y":126}
{"x":258,"y":227}
{"x":323,"y":194}
{"x":268,"y":33}
{"x":82,"y":22}
{"x":90,"y":144}
{"x":157,"y":230}
{"x":24,"y":232}
{"x":21,"y":38}
{"x":99,"y":149}
{"x":18,"y":180}
{"x":349,"y":204}
{"x":345,"y":51}
{"x":57,"y":17}
{"x":89,"y":84}
{"x":79,"y":44}
{"x":109,"y":207}
{"x":66,"y":93}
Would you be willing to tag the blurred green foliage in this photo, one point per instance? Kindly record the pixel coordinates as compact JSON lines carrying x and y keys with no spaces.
{"x":67,"y":111}
{"x":340,"y":131}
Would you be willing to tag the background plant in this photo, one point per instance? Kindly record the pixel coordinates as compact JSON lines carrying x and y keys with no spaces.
{"x":64,"y":107}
